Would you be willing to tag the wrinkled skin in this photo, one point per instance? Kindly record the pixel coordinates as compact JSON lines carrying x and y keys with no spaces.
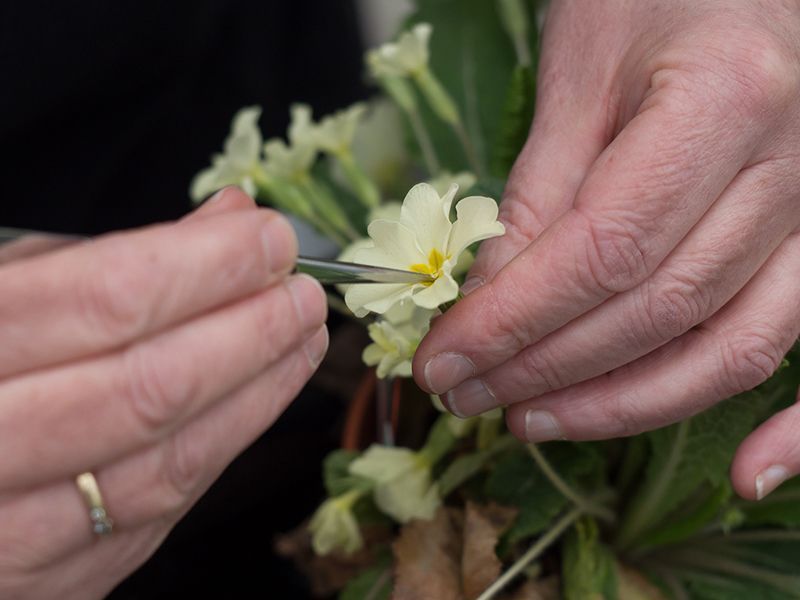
{"x":152,"y":357}
{"x":652,"y":262}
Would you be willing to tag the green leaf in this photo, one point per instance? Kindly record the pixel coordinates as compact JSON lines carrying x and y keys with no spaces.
{"x":685,"y":524}
{"x":517,"y":481}
{"x":684,"y":457}
{"x":338,"y":479}
{"x":588,"y":569}
{"x":781,"y":507}
{"x":465,"y":467}
{"x":719,"y":588}
{"x":515,"y":120}
{"x":374,"y":583}
{"x":488,"y":186}
{"x":471,"y":55}
{"x":441,"y":440}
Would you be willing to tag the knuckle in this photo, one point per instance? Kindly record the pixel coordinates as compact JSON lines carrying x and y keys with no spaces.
{"x":539,"y":372}
{"x":509,"y":318}
{"x":764,"y":75}
{"x":181,"y":472}
{"x":520,"y":219}
{"x":110,"y":297}
{"x":156,"y":392}
{"x":752,"y":357}
{"x":621,"y":414}
{"x":673,"y":309}
{"x":616,"y":256}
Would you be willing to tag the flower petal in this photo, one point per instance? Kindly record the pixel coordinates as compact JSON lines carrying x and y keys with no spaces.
{"x":444,"y":289}
{"x":395,"y":247}
{"x":243,"y":146}
{"x":476,"y":219}
{"x":376,"y":297}
{"x":428,"y":216}
{"x":383,"y":463}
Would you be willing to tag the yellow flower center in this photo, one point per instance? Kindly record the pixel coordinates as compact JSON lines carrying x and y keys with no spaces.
{"x":433,"y":267}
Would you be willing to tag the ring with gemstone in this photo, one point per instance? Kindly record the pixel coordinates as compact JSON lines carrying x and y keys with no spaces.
{"x":102,"y":524}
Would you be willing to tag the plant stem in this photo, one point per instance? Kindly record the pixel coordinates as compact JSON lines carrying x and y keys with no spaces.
{"x":469,"y":149}
{"x":364,"y":188}
{"x":424,"y":142}
{"x":641,"y":512}
{"x":533,"y":552}
{"x":562,"y":486}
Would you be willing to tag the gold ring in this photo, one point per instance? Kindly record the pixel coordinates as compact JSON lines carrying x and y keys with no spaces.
{"x":102,"y":524}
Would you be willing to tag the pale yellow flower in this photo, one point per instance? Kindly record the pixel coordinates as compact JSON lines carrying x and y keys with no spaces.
{"x":334,"y":526}
{"x":333,"y":134}
{"x":395,"y":338}
{"x":442,"y":182}
{"x":407,"y":56}
{"x":240,"y":161}
{"x":426,"y":241}
{"x":404,"y":489}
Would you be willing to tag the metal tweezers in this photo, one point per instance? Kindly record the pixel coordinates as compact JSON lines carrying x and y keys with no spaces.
{"x":325,"y":271}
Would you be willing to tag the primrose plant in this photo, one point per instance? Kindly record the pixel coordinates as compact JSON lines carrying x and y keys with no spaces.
{"x":468,"y":511}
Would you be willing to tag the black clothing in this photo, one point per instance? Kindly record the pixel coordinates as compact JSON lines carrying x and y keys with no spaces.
{"x":107,"y":110}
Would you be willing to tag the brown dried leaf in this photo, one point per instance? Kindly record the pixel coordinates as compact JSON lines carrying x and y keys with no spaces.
{"x":635,"y":586}
{"x":427,"y":557}
{"x":328,"y":574}
{"x":483,"y":526}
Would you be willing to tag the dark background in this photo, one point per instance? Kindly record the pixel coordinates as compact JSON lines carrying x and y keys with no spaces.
{"x":107,"y":110}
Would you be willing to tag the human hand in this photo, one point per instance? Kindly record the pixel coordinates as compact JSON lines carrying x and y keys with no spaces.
{"x":151,"y":357}
{"x":652,"y":262}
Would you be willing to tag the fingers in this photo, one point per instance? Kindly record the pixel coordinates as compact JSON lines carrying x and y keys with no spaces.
{"x":768,"y":456}
{"x":32,"y":245}
{"x":569,"y":131}
{"x":647,"y":190}
{"x":708,"y":267}
{"x":228,"y":199}
{"x":735,"y":350}
{"x":102,"y":294}
{"x":159,"y":483}
{"x":107,"y":406}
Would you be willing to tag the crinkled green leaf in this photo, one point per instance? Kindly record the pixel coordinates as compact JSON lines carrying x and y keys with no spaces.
{"x":725,"y":588}
{"x":781,"y":507}
{"x":473,"y":57}
{"x":690,"y":519}
{"x":588,"y":570}
{"x":463,"y":468}
{"x":517,"y":481}
{"x":515,"y":120}
{"x":685,"y":456}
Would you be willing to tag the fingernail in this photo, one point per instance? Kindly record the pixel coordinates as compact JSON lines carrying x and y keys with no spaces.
{"x":446,"y":370}
{"x":316,"y":347}
{"x":470,"y":398}
{"x":541,"y":426}
{"x":217,"y":196}
{"x":472,"y":284}
{"x":309,"y":300}
{"x":280,"y":243}
{"x":769,"y":479}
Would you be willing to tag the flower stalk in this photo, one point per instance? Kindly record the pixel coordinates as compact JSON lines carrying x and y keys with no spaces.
{"x":562,"y":486}
{"x":532,"y":554}
{"x":365,"y":189}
